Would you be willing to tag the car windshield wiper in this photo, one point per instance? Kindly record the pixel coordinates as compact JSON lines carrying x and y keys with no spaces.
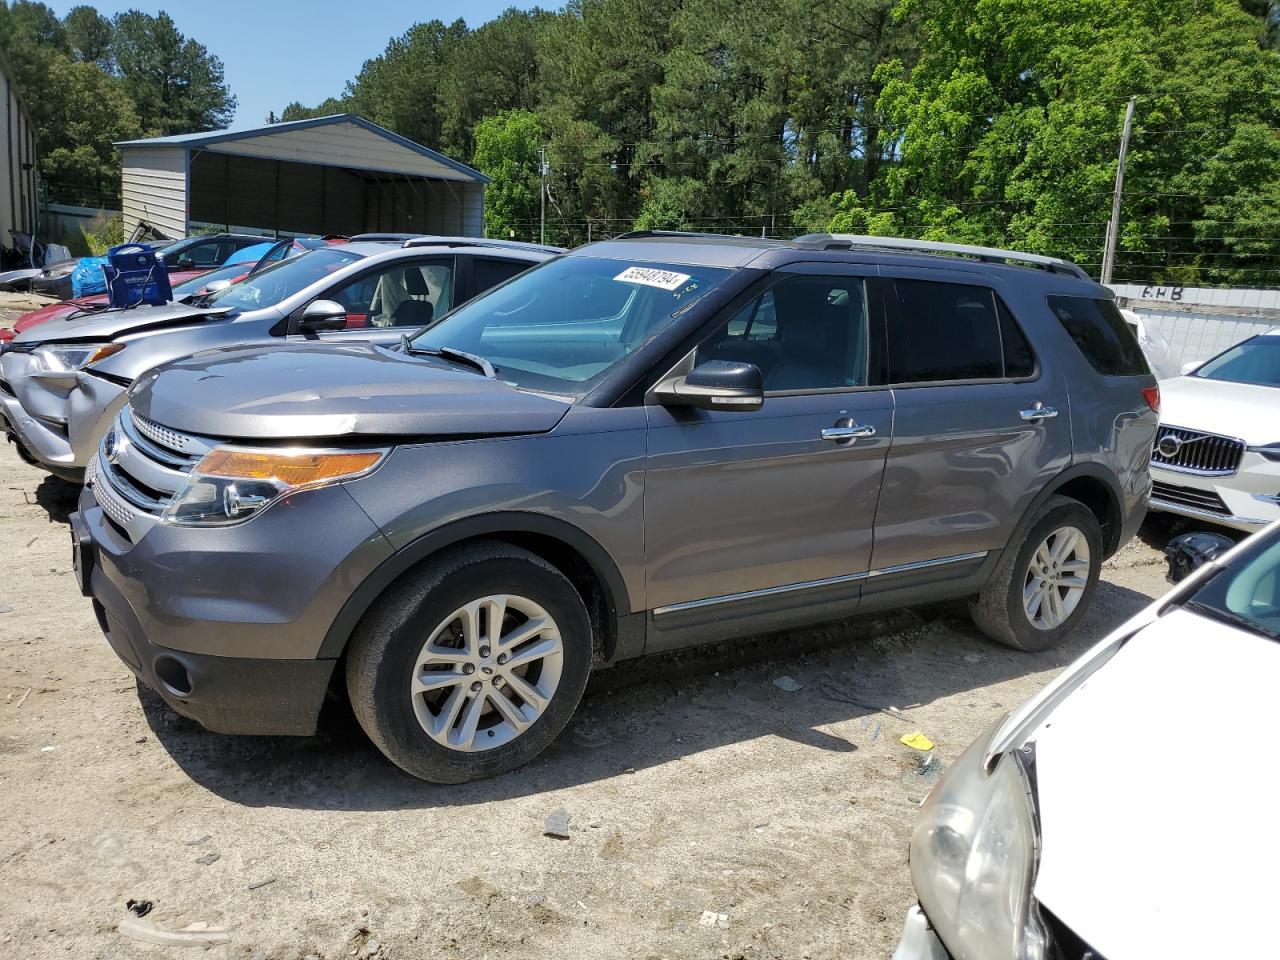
{"x":449,"y":353}
{"x":1232,"y":618}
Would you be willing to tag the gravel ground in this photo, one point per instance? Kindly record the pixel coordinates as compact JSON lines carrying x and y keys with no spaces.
{"x":691,"y":784}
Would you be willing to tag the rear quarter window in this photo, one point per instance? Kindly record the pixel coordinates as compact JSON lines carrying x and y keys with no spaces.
{"x":1100,"y":331}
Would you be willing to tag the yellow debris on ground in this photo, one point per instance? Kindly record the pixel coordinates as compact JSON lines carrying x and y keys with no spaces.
{"x":917,"y":741}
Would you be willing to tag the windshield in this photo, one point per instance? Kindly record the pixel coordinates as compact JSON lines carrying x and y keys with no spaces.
{"x":561,"y":326}
{"x":1254,"y":361}
{"x":199,"y":282}
{"x":1247,"y":593}
{"x":268,"y":287}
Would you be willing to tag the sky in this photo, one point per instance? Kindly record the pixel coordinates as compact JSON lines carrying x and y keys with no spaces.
{"x":277,"y":51}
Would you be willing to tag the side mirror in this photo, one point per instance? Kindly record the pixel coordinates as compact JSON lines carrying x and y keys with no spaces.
{"x":186,"y":263}
{"x":322,"y":315}
{"x":717,"y":385}
{"x":1190,"y":366}
{"x":216,"y":287}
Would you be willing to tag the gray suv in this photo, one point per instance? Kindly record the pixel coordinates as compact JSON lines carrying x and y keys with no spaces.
{"x":650,"y":442}
{"x":62,"y":382}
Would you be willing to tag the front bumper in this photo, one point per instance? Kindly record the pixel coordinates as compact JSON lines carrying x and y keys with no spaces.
{"x":918,"y":941}
{"x":226,"y":623}
{"x":58,"y":425}
{"x":1246,"y":500}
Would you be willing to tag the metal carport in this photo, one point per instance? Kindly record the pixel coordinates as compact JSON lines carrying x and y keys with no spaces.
{"x":340,"y":174}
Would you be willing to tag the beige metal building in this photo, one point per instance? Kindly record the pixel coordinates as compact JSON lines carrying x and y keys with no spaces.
{"x":17,"y":163}
{"x":339,"y":174}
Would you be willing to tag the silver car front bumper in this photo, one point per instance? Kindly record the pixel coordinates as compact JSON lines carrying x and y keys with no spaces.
{"x":59,"y":425}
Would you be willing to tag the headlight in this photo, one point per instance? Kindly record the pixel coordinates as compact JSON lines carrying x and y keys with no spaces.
{"x":973,"y":860}
{"x":1271,"y":451}
{"x":232,"y":484}
{"x":70,"y":357}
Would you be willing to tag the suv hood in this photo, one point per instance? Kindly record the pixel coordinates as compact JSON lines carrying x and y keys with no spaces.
{"x":1155,"y":794}
{"x":107,"y":324}
{"x":1242,"y":410}
{"x":295,"y":391}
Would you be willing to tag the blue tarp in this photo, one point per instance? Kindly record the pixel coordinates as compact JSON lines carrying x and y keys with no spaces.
{"x":87,"y":278}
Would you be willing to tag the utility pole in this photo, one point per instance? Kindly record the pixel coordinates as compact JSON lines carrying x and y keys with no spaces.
{"x":542,"y":193}
{"x":1113,"y":227}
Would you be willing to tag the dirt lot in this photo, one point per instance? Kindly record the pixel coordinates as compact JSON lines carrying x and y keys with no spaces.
{"x":693,"y":784}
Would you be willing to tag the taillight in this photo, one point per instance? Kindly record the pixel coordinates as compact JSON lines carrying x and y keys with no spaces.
{"x":1152,"y":396}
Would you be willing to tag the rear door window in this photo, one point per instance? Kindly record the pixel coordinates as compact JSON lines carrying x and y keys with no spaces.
{"x":486,"y":273}
{"x":954,"y":331}
{"x":1101,"y":333}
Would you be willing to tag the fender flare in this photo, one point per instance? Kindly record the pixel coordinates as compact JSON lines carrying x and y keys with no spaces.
{"x":1093,"y":471}
{"x":617,"y":599}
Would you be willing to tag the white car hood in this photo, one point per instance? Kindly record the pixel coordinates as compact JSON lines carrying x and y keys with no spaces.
{"x":1241,"y":410}
{"x":1158,"y":787}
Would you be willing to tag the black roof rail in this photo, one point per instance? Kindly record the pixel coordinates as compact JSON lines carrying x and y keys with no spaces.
{"x":841,"y":241}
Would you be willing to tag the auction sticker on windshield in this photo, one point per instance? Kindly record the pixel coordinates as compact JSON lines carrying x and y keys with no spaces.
{"x":666,"y":279}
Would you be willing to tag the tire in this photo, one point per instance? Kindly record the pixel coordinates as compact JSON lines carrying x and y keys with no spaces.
{"x":425,"y":732}
{"x":1001,"y":610}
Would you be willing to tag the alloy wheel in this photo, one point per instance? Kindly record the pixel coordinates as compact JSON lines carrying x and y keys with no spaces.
{"x":487,"y":673}
{"x":1056,"y":578}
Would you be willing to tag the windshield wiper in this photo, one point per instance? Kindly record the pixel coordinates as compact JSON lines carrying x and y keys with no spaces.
{"x":1231,"y":618}
{"x":449,"y":353}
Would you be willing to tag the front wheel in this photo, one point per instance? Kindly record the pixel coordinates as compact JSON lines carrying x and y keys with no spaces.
{"x":473,"y":668}
{"x":1041,"y":591}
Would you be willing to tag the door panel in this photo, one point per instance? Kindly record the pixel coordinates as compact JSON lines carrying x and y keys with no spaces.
{"x":965,"y":461}
{"x":964,"y":466}
{"x":738,"y":502}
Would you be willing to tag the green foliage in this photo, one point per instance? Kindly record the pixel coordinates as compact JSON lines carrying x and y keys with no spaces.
{"x":89,"y":35}
{"x":507,"y":151}
{"x":102,"y":234}
{"x":1007,"y":128}
{"x":176,"y":85}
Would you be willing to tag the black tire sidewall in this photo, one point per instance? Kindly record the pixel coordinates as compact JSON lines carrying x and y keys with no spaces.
{"x":402,"y":737}
{"x":1070,"y":514}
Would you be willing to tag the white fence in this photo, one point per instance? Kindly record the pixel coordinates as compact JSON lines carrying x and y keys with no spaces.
{"x":1200,"y":322}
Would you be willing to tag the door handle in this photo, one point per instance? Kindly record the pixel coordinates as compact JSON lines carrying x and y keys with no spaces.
{"x":848,"y":433}
{"x":1039,"y":412}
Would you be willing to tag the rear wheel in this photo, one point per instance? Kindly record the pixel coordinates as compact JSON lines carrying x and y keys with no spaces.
{"x":474,"y":668}
{"x":1042,"y":590}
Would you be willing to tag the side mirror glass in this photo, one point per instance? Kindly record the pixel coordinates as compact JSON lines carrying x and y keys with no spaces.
{"x":717,"y":385}
{"x":1190,"y":366}
{"x":322,"y":315}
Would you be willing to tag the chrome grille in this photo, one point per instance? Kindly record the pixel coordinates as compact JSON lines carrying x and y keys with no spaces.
{"x":111,"y":505}
{"x":138,"y":468}
{"x":1194,"y":452}
{"x":1192,"y":497}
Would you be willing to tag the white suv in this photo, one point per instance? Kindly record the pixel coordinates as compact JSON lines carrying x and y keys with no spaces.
{"x":1217,"y":455}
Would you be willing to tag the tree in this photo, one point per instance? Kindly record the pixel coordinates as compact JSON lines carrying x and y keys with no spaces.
{"x":90,"y":112}
{"x":89,"y":35}
{"x":1007,"y":129}
{"x":506,"y":151}
{"x":176,"y":85}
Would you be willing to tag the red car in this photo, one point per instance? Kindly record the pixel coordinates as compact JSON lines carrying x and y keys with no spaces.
{"x":183,"y":282}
